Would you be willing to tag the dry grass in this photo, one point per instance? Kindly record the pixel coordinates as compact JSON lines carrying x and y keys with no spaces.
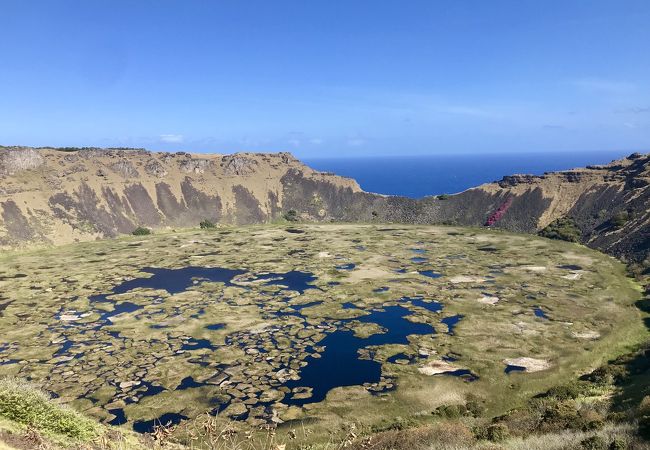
{"x":27,"y":405}
{"x":623,"y":433}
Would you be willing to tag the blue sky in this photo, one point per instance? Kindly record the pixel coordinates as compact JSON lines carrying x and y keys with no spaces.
{"x":327,"y":77}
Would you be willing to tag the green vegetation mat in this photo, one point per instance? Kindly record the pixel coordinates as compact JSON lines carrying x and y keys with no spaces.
{"x":548,"y":311}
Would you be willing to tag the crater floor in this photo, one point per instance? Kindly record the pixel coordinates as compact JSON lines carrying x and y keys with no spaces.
{"x":271,"y":324}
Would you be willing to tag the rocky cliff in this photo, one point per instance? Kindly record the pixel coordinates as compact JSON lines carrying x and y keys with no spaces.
{"x":56,"y":197}
{"x":49,"y":196}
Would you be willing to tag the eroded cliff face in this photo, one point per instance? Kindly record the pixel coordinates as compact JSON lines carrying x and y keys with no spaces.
{"x":54,"y":197}
{"x":591,"y":197}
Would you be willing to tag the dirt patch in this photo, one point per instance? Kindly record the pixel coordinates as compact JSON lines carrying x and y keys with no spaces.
{"x":488,"y":299}
{"x":529,"y":364}
{"x":28,"y":441}
{"x":591,"y":335}
{"x":367,"y":273}
{"x":437,"y":367}
{"x":466,"y":279}
{"x":572,"y":276}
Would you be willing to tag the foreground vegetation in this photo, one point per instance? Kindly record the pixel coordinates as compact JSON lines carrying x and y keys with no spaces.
{"x":30,"y":418}
{"x":608,"y":408}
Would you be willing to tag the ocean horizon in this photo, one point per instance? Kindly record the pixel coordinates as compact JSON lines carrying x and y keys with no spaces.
{"x":421,"y":176}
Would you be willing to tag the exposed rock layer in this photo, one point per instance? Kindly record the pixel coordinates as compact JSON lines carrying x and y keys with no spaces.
{"x":55,"y":197}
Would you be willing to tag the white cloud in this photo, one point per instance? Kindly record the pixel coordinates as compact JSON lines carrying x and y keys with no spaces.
{"x":604,"y":86}
{"x":635,"y":110}
{"x":356,"y":142}
{"x":316,"y":141}
{"x":470,"y":111}
{"x":171,"y":138}
{"x":294,"y":142}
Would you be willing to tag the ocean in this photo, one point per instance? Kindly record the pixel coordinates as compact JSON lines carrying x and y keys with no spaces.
{"x":419,"y":176}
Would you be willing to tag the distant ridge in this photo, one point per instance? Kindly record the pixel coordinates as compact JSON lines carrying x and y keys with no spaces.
{"x":57,"y":196}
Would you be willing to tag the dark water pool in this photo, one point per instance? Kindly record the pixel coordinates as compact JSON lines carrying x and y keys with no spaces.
{"x":465,"y":374}
{"x":539,"y":312}
{"x":430,"y":273}
{"x":173,"y":280}
{"x":418,"y":260}
{"x":188,"y":383}
{"x":120,"y":417}
{"x":296,"y":310}
{"x":294,"y":280}
{"x":400,"y":356}
{"x":451,"y":322}
{"x":432,"y":306}
{"x":340,"y":364}
{"x":510,"y":368}
{"x":147,"y":426}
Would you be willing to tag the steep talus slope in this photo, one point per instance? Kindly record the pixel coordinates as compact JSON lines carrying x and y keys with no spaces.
{"x":51,"y":196}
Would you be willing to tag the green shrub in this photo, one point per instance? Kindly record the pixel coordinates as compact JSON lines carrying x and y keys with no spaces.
{"x":617,"y":417}
{"x":450,"y":411}
{"x":593,"y":443}
{"x":27,"y":405}
{"x":567,"y":391}
{"x":495,"y":432}
{"x":443,"y":196}
{"x":620,"y":219}
{"x":644,"y":406}
{"x":141,"y":231}
{"x":291,"y":215}
{"x":206,"y":224}
{"x":564,"y":229}
{"x":474,"y":408}
{"x":498,"y":432}
{"x":397,"y":424}
{"x":618,"y":444}
{"x":644,"y":427}
{"x":560,"y":416}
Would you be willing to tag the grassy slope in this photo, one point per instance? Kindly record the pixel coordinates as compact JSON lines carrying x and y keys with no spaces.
{"x":30,"y":418}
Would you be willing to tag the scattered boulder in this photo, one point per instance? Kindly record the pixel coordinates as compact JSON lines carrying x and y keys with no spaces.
{"x":192,"y":165}
{"x":89,"y":153}
{"x":514,"y":180}
{"x":17,"y":160}
{"x":128,"y":384}
{"x":154,"y":168}
{"x":238,"y":165}
{"x":125,"y":168}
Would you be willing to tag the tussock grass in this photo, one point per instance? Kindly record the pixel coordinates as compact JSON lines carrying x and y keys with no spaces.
{"x":621,"y":434}
{"x":28,"y":405}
